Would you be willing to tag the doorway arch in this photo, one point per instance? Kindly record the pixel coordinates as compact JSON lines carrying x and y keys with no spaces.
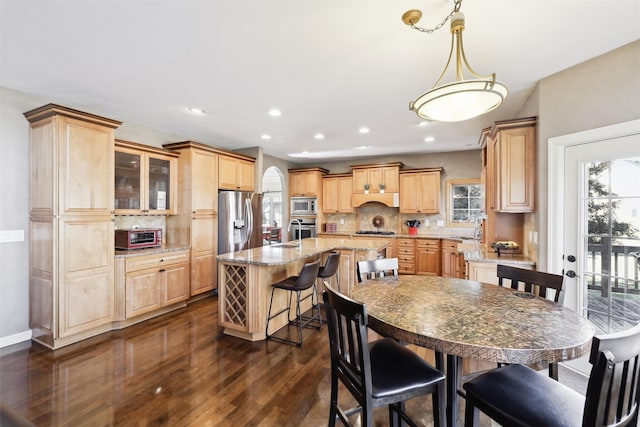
{"x":272,"y":204}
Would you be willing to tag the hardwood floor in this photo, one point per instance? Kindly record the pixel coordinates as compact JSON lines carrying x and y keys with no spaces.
{"x":177,"y":370}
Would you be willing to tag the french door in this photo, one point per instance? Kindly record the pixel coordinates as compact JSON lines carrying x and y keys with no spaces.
{"x":594,"y":222}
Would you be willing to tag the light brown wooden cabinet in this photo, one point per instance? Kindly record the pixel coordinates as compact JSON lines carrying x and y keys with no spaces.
{"x":336,"y":193}
{"x":196,"y":222}
{"x":306,"y":182}
{"x":145,"y":179}
{"x":428,"y":257}
{"x":155,"y":281}
{"x":374,"y":175}
{"x":406,"y":256}
{"x":487,"y":272}
{"x":420,"y":191}
{"x":515,"y":167}
{"x":236,"y":173}
{"x":508,"y":174}
{"x":71,"y":271}
{"x":450,"y":258}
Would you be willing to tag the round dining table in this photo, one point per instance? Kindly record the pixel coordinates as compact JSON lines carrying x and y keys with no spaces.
{"x":466,"y":319}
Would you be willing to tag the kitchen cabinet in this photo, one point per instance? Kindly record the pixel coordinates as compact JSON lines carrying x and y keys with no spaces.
{"x":508,"y":150}
{"x":420,"y":191}
{"x":145,"y":179}
{"x":450,"y":258}
{"x":71,"y":231}
{"x":374,"y":175}
{"x":236,"y":172}
{"x":428,"y":257}
{"x":406,"y":256}
{"x":155,"y":281}
{"x":196,"y":222}
{"x":514,"y":152}
{"x":336,"y":193}
{"x":306,"y":182}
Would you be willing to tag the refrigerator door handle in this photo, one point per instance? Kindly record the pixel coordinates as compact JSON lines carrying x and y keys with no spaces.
{"x":249,"y":216}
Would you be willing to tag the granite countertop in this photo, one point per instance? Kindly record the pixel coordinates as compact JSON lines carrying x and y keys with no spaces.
{"x":470,"y":319}
{"x":480,"y":255}
{"x":285,"y":253}
{"x":126,"y":253}
{"x":401,"y":235}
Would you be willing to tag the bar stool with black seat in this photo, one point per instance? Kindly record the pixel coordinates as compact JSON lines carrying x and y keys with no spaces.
{"x":297,"y":284}
{"x":330,"y":268}
{"x":516,"y":395}
{"x":379,"y":373}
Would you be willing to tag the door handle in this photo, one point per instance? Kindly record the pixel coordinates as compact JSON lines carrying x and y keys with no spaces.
{"x":571,"y":274}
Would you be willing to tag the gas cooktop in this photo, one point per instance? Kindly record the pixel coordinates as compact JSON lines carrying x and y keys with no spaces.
{"x":380,"y":233}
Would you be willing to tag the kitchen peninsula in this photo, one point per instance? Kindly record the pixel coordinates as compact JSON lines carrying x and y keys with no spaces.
{"x":245,"y":278}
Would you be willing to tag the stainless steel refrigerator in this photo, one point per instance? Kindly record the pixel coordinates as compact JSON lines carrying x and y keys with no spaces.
{"x":239,"y":221}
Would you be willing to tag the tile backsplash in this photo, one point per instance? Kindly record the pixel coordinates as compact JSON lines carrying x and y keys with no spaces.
{"x":146,"y":221}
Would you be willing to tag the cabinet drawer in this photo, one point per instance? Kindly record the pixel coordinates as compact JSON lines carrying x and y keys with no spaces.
{"x":406,"y":268}
{"x":149,"y":261}
{"x":449,"y":245}
{"x":424,"y":243}
{"x":406,"y":242}
{"x":402,"y":250}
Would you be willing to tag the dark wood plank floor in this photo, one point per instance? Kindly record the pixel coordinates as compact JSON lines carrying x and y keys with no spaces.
{"x":177,"y":370}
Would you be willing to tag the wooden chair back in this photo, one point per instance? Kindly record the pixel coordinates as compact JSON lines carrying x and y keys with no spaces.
{"x":274,"y":234}
{"x":377,"y":268}
{"x":613,"y":391}
{"x":534,"y":282}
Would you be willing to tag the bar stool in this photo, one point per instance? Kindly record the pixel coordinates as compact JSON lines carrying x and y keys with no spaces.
{"x":305,"y":280}
{"x":330,"y":269}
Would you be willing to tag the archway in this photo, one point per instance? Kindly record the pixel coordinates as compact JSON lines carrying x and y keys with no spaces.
{"x":272,"y":207}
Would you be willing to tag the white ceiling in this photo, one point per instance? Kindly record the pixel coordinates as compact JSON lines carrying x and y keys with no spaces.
{"x":330,"y":66}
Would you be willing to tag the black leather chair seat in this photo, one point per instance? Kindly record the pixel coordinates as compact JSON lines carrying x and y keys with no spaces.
{"x":396,"y":370}
{"x":288,"y":284}
{"x":499,"y":394}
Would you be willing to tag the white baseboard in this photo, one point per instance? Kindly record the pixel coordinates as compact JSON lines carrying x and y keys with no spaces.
{"x":15,"y":338}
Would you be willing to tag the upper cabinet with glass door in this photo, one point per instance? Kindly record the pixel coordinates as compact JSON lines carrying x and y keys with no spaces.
{"x":145,"y":179}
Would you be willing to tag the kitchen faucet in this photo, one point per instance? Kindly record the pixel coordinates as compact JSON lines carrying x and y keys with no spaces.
{"x":299,"y":221}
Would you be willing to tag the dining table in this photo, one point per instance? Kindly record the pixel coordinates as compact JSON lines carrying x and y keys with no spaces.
{"x":467,"y":319}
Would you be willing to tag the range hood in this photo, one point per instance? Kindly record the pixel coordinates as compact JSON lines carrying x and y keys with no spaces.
{"x":389,"y":199}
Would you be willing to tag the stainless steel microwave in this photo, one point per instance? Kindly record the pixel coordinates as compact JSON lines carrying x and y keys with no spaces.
{"x":303,"y":206}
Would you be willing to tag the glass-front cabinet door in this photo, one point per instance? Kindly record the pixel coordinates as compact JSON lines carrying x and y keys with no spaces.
{"x":145,"y":179}
{"x":128,"y":185}
{"x":159,"y":184}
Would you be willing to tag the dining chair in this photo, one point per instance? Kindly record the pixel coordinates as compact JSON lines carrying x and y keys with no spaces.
{"x":379,"y":373}
{"x":377,"y":268}
{"x":516,"y":395}
{"x":536,"y":283}
{"x":296,"y":284}
{"x":274,"y":235}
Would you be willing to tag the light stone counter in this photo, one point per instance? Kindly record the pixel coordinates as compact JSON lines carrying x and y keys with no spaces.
{"x":285,"y":253}
{"x":126,"y":253}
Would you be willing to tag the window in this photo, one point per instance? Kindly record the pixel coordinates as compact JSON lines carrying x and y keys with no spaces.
{"x":465,"y":201}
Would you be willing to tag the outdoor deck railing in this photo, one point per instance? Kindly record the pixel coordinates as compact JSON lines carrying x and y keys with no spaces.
{"x":619,"y":268}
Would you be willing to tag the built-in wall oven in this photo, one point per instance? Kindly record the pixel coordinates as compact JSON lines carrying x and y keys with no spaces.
{"x":302,"y":227}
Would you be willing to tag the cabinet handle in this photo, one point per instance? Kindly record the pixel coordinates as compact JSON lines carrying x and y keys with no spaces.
{"x":162,"y":270}
{"x":162,"y":260}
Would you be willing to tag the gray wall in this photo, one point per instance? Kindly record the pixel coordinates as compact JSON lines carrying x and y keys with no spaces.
{"x":600,"y":92}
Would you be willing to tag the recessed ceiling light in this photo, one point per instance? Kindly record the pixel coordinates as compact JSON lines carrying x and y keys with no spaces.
{"x":265,"y":136}
{"x":362,"y":147}
{"x":318,"y":136}
{"x":429,"y":139}
{"x":424,"y":123}
{"x":274,"y":112}
{"x":196,"y":110}
{"x":305,"y":152}
{"x":364,"y":130}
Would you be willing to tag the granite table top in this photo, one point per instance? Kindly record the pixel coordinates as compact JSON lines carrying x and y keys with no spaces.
{"x":285,"y":253}
{"x":469,"y":319}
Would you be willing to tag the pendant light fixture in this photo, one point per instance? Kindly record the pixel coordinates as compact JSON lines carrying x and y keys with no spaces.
{"x":462,"y":99}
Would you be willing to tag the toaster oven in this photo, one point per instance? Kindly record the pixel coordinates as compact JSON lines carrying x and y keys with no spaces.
{"x":139,"y":238}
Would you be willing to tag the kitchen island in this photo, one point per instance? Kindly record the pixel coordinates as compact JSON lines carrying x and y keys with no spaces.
{"x":245,"y":279}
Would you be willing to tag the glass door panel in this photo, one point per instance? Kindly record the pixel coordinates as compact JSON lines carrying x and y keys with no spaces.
{"x":611,"y":246}
{"x":159,"y":180}
{"x":128,"y":189}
